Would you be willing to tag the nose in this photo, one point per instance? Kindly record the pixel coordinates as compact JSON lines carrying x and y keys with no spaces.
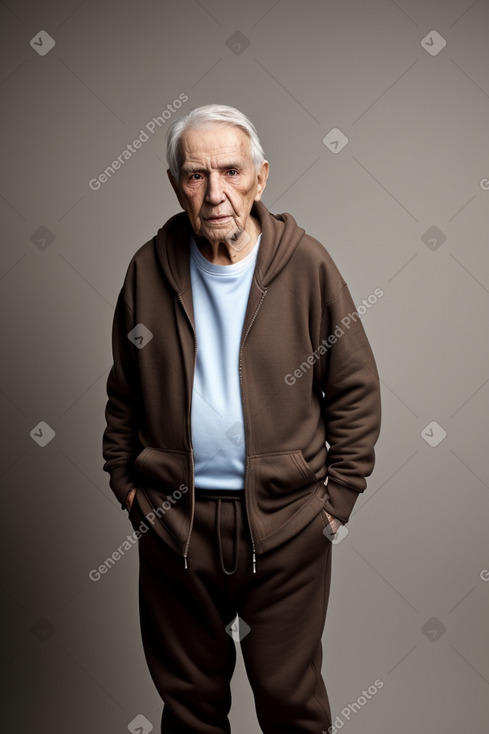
{"x":215,"y":192}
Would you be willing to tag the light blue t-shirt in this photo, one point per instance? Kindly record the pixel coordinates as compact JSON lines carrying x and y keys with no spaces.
{"x":220,"y":296}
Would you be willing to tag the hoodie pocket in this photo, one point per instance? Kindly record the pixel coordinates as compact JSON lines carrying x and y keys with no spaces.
{"x":283,"y":474}
{"x":285,"y":492}
{"x":164,"y":478}
{"x":167,"y":467}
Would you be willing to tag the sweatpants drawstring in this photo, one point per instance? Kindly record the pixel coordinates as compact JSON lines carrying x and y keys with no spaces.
{"x":236,"y":539}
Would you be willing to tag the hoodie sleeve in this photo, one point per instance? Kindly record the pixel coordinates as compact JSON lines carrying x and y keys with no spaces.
{"x":351,"y":404}
{"x":120,"y":438}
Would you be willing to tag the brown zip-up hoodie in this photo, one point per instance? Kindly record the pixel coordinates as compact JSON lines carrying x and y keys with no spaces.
{"x":307,"y":377}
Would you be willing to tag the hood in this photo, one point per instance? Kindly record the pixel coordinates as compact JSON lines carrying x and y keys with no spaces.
{"x":280,"y":237}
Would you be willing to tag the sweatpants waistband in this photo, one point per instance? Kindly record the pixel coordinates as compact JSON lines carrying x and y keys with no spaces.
{"x":218,"y":494}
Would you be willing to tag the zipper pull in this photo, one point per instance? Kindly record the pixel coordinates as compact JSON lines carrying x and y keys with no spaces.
{"x":185,"y":559}
{"x":254,"y":562}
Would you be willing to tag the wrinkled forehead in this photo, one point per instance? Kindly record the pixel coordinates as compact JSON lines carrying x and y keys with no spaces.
{"x":214,"y":145}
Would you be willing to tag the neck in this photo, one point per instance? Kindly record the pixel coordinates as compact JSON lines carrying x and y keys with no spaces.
{"x":224,"y":253}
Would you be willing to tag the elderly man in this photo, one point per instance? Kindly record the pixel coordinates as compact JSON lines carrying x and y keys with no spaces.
{"x":243,"y":408}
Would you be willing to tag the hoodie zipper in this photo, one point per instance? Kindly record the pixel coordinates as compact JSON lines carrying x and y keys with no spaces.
{"x":246,"y":443}
{"x":185,"y":553}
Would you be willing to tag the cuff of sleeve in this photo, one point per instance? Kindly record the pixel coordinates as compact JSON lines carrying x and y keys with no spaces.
{"x":341,"y":500}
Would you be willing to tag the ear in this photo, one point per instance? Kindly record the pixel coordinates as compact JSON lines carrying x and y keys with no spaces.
{"x":262,"y":178}
{"x":175,"y":187}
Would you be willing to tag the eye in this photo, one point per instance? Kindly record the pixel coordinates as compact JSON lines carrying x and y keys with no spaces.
{"x":194,"y":176}
{"x":233,"y":172}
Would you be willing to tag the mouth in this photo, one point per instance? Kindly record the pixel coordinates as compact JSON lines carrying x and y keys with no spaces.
{"x":218,"y":218}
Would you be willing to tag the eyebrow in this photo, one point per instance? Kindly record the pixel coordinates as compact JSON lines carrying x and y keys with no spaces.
{"x":188,"y":168}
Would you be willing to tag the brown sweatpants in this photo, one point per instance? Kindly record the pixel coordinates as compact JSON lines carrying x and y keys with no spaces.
{"x":184,"y":614}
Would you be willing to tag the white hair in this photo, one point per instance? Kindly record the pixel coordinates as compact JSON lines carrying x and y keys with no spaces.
{"x":211,"y":114}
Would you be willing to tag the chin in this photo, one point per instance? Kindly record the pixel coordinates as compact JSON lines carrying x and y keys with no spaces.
{"x":216,"y":233}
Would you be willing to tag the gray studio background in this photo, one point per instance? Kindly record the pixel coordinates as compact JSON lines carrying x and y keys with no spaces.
{"x":403,"y":207}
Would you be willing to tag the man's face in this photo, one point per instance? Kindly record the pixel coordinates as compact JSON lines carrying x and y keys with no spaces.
{"x":218,"y":181}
